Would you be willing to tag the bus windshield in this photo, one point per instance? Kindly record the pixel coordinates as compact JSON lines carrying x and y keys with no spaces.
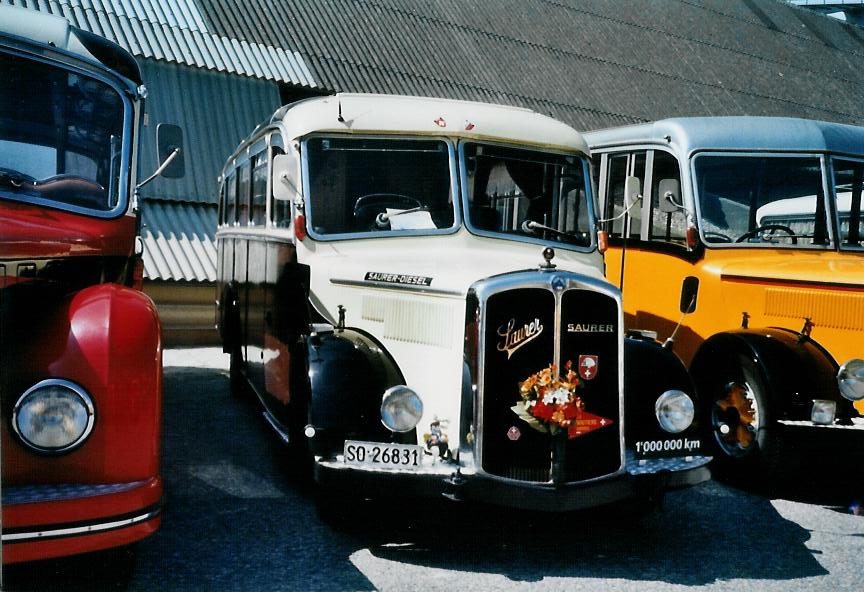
{"x":527,"y":194}
{"x":60,"y":136}
{"x":751,"y":200}
{"x":378,"y":185}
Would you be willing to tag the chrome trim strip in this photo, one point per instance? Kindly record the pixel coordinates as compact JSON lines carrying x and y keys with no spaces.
{"x":19,"y":537}
{"x":283,"y":435}
{"x":396,"y":287}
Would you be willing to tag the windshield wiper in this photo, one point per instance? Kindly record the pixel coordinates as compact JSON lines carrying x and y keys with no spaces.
{"x":383,"y":218}
{"x":533,"y":227}
{"x":15,"y":179}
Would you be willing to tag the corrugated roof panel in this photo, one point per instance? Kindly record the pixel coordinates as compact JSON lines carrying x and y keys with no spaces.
{"x":272,"y":65}
{"x":174,"y":39}
{"x":242,"y":48}
{"x":217,"y":48}
{"x":258,"y":57}
{"x":133,"y":43}
{"x":152,"y":29}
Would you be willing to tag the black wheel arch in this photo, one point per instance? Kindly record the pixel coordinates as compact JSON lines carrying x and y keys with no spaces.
{"x":348,"y":371}
{"x":650,"y":370}
{"x":793,"y":368}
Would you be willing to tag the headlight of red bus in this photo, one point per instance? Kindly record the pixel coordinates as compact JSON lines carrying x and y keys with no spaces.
{"x":53,"y":416}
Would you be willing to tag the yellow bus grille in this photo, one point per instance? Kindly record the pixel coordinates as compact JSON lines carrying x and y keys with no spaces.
{"x":837,"y":310}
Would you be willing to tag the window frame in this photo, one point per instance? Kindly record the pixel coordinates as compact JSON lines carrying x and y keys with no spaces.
{"x":309,"y":198}
{"x":589,"y":197}
{"x":832,"y":202}
{"x":821,"y":157}
{"x":124,"y":90}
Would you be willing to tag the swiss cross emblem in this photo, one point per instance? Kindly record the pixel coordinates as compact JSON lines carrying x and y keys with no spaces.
{"x":513,"y":433}
{"x":588,"y":366}
{"x":440,"y":122}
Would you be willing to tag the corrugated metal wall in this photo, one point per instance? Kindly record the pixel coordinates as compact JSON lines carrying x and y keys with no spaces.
{"x":179,"y":241}
{"x":215,"y":112}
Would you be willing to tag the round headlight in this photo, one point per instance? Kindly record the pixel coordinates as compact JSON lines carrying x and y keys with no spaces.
{"x":401,"y":409}
{"x":850,"y":379}
{"x":53,"y":416}
{"x":675,"y":411}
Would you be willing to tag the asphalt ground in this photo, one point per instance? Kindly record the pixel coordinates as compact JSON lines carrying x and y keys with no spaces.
{"x":236,"y":517}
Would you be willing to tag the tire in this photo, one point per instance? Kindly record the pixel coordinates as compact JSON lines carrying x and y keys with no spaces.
{"x":740,"y":422}
{"x":237,"y":380}
{"x":340,"y":511}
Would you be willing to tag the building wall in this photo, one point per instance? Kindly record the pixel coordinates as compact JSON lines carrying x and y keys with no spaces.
{"x":215,"y":111}
{"x":187,"y":312}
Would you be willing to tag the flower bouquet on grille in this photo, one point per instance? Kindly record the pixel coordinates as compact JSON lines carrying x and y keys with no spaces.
{"x":550,"y":403}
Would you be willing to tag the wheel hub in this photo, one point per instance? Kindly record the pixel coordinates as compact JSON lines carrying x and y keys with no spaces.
{"x":735,"y":419}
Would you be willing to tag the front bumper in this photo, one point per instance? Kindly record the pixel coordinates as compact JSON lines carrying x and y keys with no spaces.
{"x":639,"y":478}
{"x":834,"y":440}
{"x":46,"y":521}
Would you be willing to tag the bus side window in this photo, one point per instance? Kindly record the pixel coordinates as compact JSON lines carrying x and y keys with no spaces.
{"x":243,"y":193}
{"x":620,"y":166}
{"x":259,"y":190}
{"x":230,"y":208}
{"x":280,"y":210}
{"x":848,"y":182}
{"x":666,"y":227}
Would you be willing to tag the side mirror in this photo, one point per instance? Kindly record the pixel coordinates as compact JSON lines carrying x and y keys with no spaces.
{"x":284,"y":177}
{"x":669,"y":197}
{"x":169,"y":138}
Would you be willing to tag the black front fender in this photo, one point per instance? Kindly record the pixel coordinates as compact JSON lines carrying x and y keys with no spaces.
{"x":794,"y":368}
{"x":649,"y":371}
{"x":348,"y":374}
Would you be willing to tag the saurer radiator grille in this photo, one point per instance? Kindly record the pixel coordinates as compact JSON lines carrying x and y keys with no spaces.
{"x":520,"y":339}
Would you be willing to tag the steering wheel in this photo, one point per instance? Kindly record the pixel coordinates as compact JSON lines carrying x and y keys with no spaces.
{"x":721,"y":238}
{"x":370,"y":205}
{"x":73,"y":189}
{"x":15,"y":178}
{"x":771,"y":227}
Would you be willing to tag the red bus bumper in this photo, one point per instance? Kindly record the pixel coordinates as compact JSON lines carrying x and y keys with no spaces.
{"x":46,"y":521}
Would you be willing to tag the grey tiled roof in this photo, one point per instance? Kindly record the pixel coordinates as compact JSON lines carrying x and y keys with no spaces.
{"x":592,"y":63}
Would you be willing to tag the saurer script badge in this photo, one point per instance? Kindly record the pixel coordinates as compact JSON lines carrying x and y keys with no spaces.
{"x":588,"y":367}
{"x":513,"y":337}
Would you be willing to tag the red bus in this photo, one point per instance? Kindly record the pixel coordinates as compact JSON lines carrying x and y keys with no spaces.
{"x":80,"y":347}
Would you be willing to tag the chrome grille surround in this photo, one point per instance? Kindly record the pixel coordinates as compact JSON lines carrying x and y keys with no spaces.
{"x":557,"y":283}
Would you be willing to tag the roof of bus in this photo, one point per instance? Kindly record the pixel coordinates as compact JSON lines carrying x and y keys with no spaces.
{"x":394,"y":114}
{"x":689,"y":134}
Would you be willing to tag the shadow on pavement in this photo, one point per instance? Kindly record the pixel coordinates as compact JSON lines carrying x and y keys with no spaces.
{"x":235,"y":518}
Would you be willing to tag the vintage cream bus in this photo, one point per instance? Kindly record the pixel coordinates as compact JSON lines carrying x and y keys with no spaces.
{"x":741,"y":237}
{"x":413,"y":289}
